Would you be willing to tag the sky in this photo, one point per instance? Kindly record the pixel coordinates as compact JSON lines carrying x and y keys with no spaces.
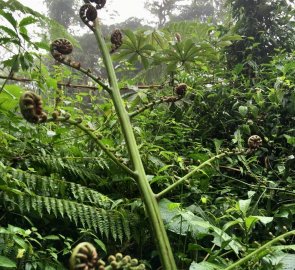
{"x":122,"y":10}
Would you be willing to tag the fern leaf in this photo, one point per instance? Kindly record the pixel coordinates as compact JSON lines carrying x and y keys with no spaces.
{"x":112,"y":221}
{"x":47,"y":204}
{"x":60,"y":207}
{"x":53,"y":205}
{"x":21,"y":203}
{"x":39,"y":205}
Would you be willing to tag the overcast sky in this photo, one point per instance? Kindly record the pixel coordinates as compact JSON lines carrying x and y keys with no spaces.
{"x":122,"y":9}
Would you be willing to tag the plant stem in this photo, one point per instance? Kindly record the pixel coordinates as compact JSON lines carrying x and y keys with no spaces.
{"x":150,"y":202}
{"x":97,"y":141}
{"x":196,"y":169}
{"x":84,"y":86}
{"x":153,"y":103}
{"x":256,"y":252}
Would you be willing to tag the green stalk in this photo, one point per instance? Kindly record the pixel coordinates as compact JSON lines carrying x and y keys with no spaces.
{"x":256,"y":252}
{"x":147,"y":194}
{"x":196,"y":169}
{"x":96,"y":140}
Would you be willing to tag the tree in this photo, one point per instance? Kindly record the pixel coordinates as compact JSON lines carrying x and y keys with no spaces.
{"x":267,"y":25}
{"x":63,"y":11}
{"x":162,"y":9}
{"x":200,"y":10}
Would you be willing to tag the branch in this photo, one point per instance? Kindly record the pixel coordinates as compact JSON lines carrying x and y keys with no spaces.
{"x":87,"y":72}
{"x":196,"y":169}
{"x":13,"y":78}
{"x":256,"y":252}
{"x":97,"y":141}
{"x":153,"y":103}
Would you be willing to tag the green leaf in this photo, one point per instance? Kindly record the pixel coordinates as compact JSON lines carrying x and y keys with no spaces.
{"x":290,"y":139}
{"x":27,"y":20}
{"x":131,"y":37}
{"x":244,"y":205}
{"x":224,"y":43}
{"x":21,"y":242}
{"x":42,"y":45}
{"x":101,"y":245}
{"x":144,"y":61}
{"x":13,"y":63}
{"x":51,"y":237}
{"x":204,"y":266}
{"x":264,"y":220}
{"x":9,"y":99}
{"x":5,"y":262}
{"x":9,"y":31}
{"x":9,"y":17}
{"x":288,"y":262}
{"x":250,"y":222}
{"x":243,"y":110}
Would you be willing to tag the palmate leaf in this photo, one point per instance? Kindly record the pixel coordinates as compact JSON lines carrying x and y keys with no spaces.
{"x":135,"y":48}
{"x":156,"y":38}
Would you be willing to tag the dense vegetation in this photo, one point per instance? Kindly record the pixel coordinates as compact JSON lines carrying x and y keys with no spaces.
{"x":195,"y":91}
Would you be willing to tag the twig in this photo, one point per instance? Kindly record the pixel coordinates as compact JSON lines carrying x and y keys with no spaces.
{"x":153,"y":103}
{"x":97,"y":141}
{"x":196,"y":169}
{"x":13,"y":78}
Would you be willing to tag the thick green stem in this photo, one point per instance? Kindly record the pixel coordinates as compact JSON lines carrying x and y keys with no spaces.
{"x":150,"y":202}
{"x":256,"y":252}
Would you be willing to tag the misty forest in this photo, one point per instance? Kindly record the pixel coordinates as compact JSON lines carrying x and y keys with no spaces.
{"x":164,"y":142}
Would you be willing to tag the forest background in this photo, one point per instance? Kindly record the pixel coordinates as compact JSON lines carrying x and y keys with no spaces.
{"x":225,"y":203}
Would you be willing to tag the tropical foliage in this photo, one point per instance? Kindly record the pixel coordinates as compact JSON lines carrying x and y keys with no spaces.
{"x":225,"y":204}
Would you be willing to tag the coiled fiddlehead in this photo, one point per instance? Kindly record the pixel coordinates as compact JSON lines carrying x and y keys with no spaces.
{"x":99,"y":3}
{"x":116,"y":40}
{"x":31,"y":108}
{"x":60,"y":48}
{"x":85,"y":257}
{"x":180,"y":90}
{"x":88,"y":14}
{"x":254,"y":142}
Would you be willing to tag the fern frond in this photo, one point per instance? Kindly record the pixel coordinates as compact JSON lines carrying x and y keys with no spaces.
{"x":66,"y":168}
{"x":106,"y":222}
{"x":45,"y":186}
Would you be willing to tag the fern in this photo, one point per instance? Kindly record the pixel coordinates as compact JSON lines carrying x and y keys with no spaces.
{"x":45,"y":186}
{"x":44,"y":196}
{"x":68,"y":168}
{"x":108,"y":223}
